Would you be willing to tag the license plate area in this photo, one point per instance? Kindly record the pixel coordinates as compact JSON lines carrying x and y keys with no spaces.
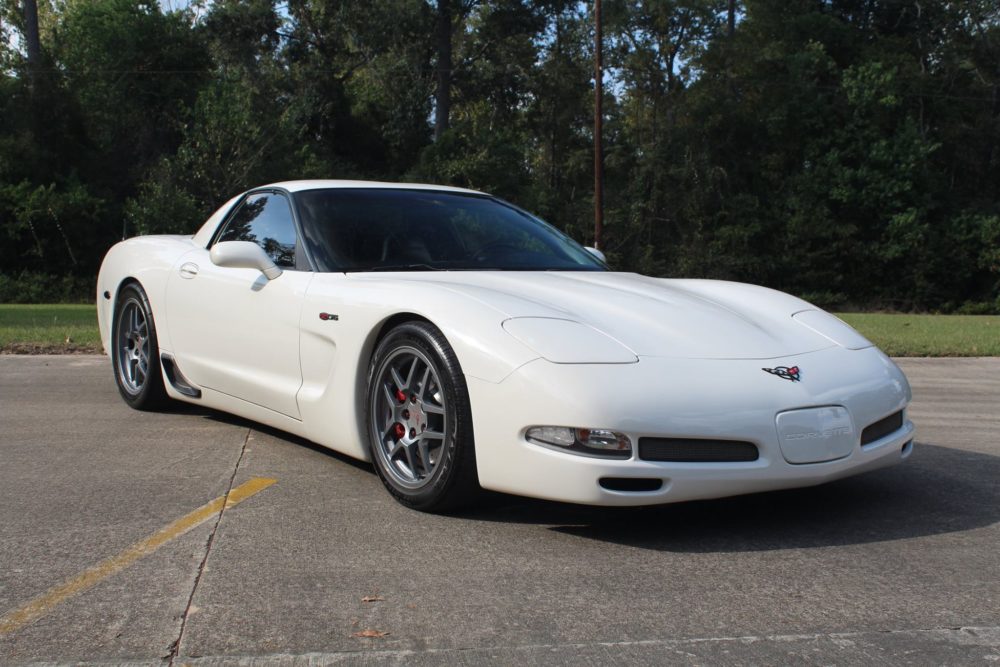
{"x":815,"y":435}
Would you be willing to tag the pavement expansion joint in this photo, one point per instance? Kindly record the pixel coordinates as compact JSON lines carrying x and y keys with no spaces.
{"x":176,"y":645}
{"x":983,"y":637}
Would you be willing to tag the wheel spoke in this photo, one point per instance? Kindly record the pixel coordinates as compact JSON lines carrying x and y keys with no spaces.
{"x":432,"y":435}
{"x":397,"y":379}
{"x":409,"y":376}
{"x":433,"y":409}
{"x":411,"y":461}
{"x":391,"y":400}
{"x":425,"y":454}
{"x":423,"y":383}
{"x":396,"y":448}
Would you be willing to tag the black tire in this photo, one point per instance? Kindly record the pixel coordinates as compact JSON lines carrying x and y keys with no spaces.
{"x":421,"y":474}
{"x":135,"y":352}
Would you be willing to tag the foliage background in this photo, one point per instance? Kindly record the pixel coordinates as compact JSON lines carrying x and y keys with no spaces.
{"x":844,"y":150}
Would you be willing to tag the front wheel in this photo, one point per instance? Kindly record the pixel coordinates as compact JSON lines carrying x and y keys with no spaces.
{"x":135,"y":353}
{"x":419,"y":420}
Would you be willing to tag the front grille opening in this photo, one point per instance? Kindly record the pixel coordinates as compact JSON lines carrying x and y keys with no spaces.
{"x":882,"y":428}
{"x":694,"y":450}
{"x":631,"y":484}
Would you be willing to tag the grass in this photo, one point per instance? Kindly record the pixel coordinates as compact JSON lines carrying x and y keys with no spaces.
{"x":35,"y":329}
{"x":930,"y":335}
{"x":60,"y":328}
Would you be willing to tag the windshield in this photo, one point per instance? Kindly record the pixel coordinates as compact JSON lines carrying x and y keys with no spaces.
{"x":380,"y":229}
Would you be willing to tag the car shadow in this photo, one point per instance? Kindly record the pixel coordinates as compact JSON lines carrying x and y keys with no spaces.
{"x":227,"y":418}
{"x":938,"y":490}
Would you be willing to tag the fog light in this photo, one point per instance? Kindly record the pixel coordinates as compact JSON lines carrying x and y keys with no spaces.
{"x":593,"y":441}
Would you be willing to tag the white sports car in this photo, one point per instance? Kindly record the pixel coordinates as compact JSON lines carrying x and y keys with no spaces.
{"x":460,"y":343}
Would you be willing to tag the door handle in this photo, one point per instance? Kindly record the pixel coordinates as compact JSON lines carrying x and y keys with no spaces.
{"x":188,"y":270}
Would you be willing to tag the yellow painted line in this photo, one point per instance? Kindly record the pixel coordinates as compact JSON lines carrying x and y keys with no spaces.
{"x":43,"y":604}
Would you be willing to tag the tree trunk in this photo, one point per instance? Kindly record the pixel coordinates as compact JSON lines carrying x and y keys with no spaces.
{"x":991,"y":143}
{"x":32,"y":41}
{"x":732,"y":17}
{"x":598,"y":128}
{"x":557,"y":56}
{"x":442,"y":98}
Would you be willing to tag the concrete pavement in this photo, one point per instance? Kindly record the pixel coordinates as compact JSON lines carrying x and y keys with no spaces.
{"x":900,"y":565}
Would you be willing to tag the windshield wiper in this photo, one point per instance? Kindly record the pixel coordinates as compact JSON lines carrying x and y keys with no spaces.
{"x":406,"y":267}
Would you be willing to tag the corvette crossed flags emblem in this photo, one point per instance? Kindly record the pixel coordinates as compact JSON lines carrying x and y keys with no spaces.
{"x":784,"y":372}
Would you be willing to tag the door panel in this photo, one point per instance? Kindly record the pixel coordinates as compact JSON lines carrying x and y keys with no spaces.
{"x":237,"y":332}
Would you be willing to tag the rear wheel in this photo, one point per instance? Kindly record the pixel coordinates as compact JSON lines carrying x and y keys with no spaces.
{"x":135,"y":353}
{"x":419,"y":420}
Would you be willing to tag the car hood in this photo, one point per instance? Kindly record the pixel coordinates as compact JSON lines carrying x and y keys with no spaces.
{"x":704,"y":319}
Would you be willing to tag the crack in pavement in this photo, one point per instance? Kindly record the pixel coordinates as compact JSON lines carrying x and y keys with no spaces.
{"x":176,"y":646}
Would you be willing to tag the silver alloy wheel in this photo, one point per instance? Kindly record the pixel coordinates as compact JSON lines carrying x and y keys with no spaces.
{"x":409,"y":418}
{"x":132,"y":341}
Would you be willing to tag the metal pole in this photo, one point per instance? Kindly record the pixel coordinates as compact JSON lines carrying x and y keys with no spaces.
{"x":598,"y":128}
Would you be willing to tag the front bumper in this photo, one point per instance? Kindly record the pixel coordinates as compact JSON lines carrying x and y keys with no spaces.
{"x":681,"y":398}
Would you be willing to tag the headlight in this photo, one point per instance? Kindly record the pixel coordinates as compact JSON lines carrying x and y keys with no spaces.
{"x":591,"y":441}
{"x":833,"y":328}
{"x":568,"y":341}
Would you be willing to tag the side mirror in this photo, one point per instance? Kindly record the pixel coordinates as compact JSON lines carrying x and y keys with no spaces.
{"x":597,"y":253}
{"x":244,"y":255}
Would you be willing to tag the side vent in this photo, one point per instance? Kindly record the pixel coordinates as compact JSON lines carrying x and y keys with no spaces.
{"x":177,"y":379}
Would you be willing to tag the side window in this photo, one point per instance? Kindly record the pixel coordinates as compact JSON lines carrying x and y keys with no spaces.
{"x":265,"y":219}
